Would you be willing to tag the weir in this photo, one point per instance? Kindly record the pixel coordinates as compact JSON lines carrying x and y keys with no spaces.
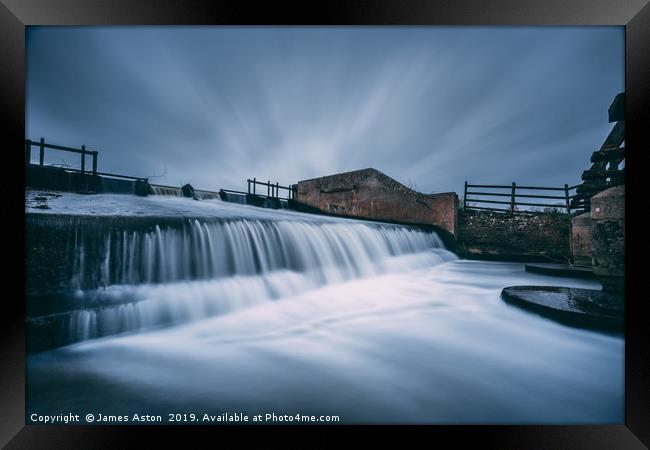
{"x":95,"y":270}
{"x":96,"y":276}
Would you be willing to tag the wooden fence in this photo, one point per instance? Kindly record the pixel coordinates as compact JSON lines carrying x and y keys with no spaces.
{"x":272,"y":190}
{"x":83,"y":152}
{"x":510,"y":196}
{"x":604,"y":171}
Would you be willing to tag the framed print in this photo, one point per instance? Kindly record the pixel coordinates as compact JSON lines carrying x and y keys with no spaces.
{"x":361,"y":216}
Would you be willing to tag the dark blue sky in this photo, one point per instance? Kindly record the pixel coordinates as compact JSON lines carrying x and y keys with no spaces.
{"x":429,"y":106}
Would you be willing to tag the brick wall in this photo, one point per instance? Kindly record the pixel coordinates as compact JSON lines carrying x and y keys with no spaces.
{"x":370,"y":194}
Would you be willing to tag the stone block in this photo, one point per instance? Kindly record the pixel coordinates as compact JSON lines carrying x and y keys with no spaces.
{"x":608,"y":237}
{"x":609,"y":204}
{"x":581,"y":235}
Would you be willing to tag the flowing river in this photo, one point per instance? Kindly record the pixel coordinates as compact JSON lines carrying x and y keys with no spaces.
{"x":232,"y":308}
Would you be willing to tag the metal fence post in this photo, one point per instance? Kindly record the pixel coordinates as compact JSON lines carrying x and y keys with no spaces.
{"x":254,"y":183}
{"x":83,"y":159}
{"x":512,"y":199}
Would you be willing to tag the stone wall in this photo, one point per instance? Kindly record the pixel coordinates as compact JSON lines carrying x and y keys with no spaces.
{"x":370,"y":194}
{"x":518,"y":237}
{"x":608,"y":237}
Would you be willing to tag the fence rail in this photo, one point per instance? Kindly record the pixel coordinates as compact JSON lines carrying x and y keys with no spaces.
{"x":272,"y":190}
{"x":42,"y":146}
{"x":512,"y":195}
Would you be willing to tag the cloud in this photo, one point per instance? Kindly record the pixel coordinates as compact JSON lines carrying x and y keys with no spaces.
{"x":434,"y":105}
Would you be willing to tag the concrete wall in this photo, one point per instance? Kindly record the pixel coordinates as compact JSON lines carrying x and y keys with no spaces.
{"x":45,"y":177}
{"x":501,"y":236}
{"x":370,"y":194}
{"x":58,"y":179}
{"x":51,"y":241}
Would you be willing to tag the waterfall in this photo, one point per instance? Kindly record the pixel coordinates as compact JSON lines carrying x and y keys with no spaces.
{"x":207,"y":250}
{"x":233,"y":197}
{"x":131,"y":278}
{"x":166,"y":190}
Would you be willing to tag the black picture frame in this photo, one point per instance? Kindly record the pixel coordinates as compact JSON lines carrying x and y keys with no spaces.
{"x":15,"y":15}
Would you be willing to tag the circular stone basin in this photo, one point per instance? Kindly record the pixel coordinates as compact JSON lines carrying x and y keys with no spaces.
{"x":583,"y":308}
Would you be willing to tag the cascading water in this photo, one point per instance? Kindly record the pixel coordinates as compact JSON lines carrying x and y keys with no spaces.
{"x":234,"y":197}
{"x":166,"y":190}
{"x":203,"y":250}
{"x":127,"y":280}
{"x":280,"y":311}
